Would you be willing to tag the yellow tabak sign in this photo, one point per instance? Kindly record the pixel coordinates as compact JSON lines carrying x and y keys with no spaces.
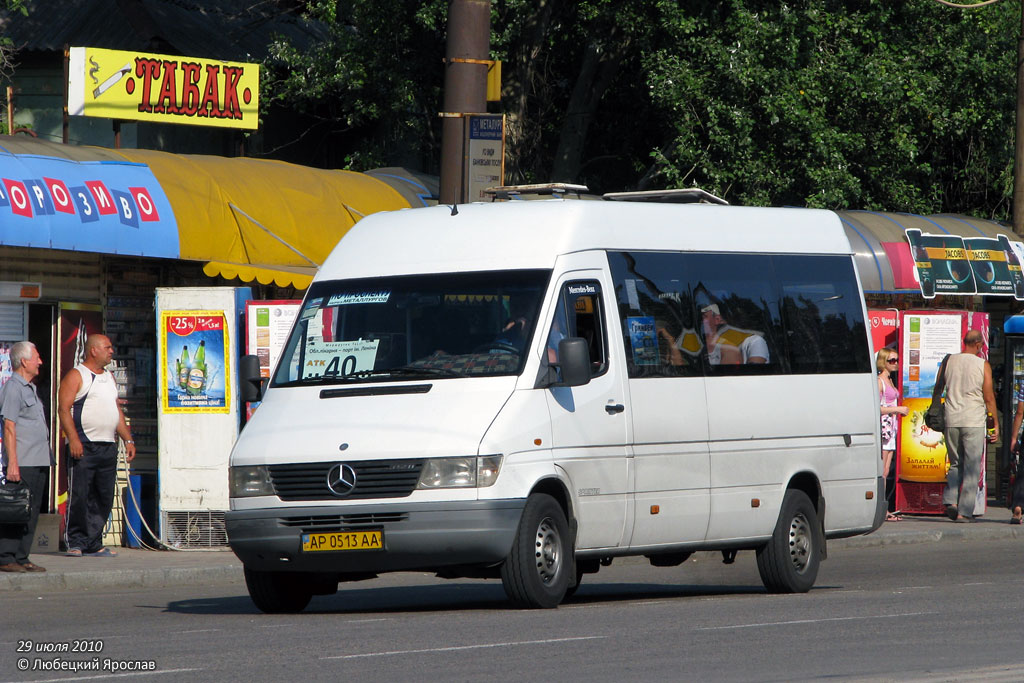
{"x":117,"y":84}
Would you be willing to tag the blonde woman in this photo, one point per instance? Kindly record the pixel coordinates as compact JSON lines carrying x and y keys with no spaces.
{"x":887,"y":361}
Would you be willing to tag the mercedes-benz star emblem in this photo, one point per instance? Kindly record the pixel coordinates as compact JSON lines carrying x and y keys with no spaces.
{"x":341,"y":480}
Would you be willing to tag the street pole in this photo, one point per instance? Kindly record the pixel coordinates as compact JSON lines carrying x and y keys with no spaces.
{"x":1018,"y":152}
{"x":465,"y":88}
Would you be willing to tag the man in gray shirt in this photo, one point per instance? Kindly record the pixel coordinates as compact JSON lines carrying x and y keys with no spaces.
{"x":26,"y":453}
{"x":969,"y":397}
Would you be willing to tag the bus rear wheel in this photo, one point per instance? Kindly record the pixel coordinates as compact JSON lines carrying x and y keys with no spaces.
{"x":789,"y":562}
{"x":536,"y":572}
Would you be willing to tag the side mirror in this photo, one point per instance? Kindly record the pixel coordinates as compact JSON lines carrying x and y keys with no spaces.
{"x":250,"y":382}
{"x":574,"y":361}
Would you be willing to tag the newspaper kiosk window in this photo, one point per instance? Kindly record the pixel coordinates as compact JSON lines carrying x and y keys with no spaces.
{"x":443,"y":325}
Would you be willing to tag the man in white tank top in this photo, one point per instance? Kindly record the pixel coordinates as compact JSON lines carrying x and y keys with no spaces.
{"x":969,"y":397}
{"x":91,"y":419}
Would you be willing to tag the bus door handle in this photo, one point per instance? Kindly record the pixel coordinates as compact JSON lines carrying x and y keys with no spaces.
{"x":614,"y":408}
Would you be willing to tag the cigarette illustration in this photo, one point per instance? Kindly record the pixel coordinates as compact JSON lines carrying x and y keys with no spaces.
{"x":114,"y":78}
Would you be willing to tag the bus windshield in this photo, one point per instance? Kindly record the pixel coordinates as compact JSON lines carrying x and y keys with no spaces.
{"x":442,"y":325}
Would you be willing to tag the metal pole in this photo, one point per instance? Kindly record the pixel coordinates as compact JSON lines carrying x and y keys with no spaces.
{"x":65,"y":123}
{"x":1018,"y":155}
{"x":465,"y":87}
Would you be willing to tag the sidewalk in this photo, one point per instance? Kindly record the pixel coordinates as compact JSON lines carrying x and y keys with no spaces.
{"x":148,"y":568}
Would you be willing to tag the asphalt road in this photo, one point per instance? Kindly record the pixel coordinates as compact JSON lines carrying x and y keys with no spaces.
{"x":929,"y":612}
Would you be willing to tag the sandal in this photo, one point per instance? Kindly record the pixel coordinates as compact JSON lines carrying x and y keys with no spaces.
{"x":952,"y":512}
{"x":102,"y":552}
{"x":1017,"y":516}
{"x":892,"y":517}
{"x":73,"y":552}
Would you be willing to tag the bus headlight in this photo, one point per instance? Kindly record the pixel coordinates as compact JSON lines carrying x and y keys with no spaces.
{"x":450,"y":473}
{"x":253,"y":480}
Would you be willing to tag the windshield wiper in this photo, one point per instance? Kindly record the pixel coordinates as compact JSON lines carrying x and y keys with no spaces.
{"x":434,"y":372}
{"x":404,"y":371}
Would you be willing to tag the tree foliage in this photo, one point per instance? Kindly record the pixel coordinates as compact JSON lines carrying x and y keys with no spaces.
{"x":371,"y":86}
{"x":905,"y":106}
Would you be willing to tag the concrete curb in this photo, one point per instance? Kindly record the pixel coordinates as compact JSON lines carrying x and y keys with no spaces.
{"x":50,"y":582}
{"x":951,"y":532}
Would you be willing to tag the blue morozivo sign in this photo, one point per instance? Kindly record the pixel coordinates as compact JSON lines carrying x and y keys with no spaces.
{"x":110,"y":207}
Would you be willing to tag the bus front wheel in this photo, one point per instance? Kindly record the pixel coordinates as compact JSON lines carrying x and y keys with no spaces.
{"x":537,"y":570}
{"x":278,"y":592}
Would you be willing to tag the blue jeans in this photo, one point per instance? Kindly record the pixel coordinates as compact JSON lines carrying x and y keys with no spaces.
{"x":966,"y":448}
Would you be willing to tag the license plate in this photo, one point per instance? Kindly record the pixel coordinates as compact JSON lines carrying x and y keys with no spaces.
{"x":345,"y":540}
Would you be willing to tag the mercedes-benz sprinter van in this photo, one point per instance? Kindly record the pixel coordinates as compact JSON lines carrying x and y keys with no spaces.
{"x":526,"y":390}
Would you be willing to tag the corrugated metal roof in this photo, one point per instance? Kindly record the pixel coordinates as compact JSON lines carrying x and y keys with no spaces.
{"x":870,"y":231}
{"x":238,"y":30}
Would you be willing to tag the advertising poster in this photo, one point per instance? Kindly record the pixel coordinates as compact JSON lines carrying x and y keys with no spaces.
{"x":950,"y":264}
{"x":993,"y":272}
{"x":926,"y":339}
{"x":5,"y":362}
{"x":5,"y":367}
{"x":75,"y":323}
{"x":267,"y":326}
{"x":642,"y":340}
{"x":941,"y":264}
{"x":195,"y":346}
{"x":884,"y":326}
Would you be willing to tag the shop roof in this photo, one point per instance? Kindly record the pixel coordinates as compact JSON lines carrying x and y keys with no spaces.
{"x":247,"y":218}
{"x":882,"y":252}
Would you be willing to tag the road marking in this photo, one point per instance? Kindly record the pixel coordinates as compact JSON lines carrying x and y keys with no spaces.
{"x":108,"y":676}
{"x":814,"y":621}
{"x":455,"y":648}
{"x":198,"y":630}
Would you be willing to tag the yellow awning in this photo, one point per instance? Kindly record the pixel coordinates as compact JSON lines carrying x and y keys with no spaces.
{"x":259,"y":219}
{"x":283,"y":276}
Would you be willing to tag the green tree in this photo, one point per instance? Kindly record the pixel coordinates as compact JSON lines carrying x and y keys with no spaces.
{"x":878,"y":105}
{"x":371,"y":87}
{"x":903,"y":106}
{"x":7,"y":52}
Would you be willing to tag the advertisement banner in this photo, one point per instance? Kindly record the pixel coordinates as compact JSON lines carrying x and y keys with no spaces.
{"x":994,"y":273}
{"x":268,"y":324}
{"x":884,"y":326}
{"x":137,"y":86}
{"x":107,"y":207}
{"x":195,"y":345}
{"x":950,"y":264}
{"x":75,"y":322}
{"x":941,"y":264}
{"x":926,"y":339}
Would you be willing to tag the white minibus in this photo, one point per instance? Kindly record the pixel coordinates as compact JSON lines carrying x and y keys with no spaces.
{"x":526,"y":390}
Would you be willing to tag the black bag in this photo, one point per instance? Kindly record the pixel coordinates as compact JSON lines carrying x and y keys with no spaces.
{"x":935,"y":416}
{"x":15,"y":502}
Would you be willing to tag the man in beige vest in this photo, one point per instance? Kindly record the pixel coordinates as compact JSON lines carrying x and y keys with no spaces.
{"x":969,"y":397}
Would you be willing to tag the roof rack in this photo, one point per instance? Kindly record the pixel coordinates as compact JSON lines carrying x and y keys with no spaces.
{"x":516,"y":191}
{"x":691,"y":195}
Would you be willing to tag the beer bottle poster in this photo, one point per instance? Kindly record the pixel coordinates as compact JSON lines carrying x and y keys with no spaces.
{"x":195,"y":345}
